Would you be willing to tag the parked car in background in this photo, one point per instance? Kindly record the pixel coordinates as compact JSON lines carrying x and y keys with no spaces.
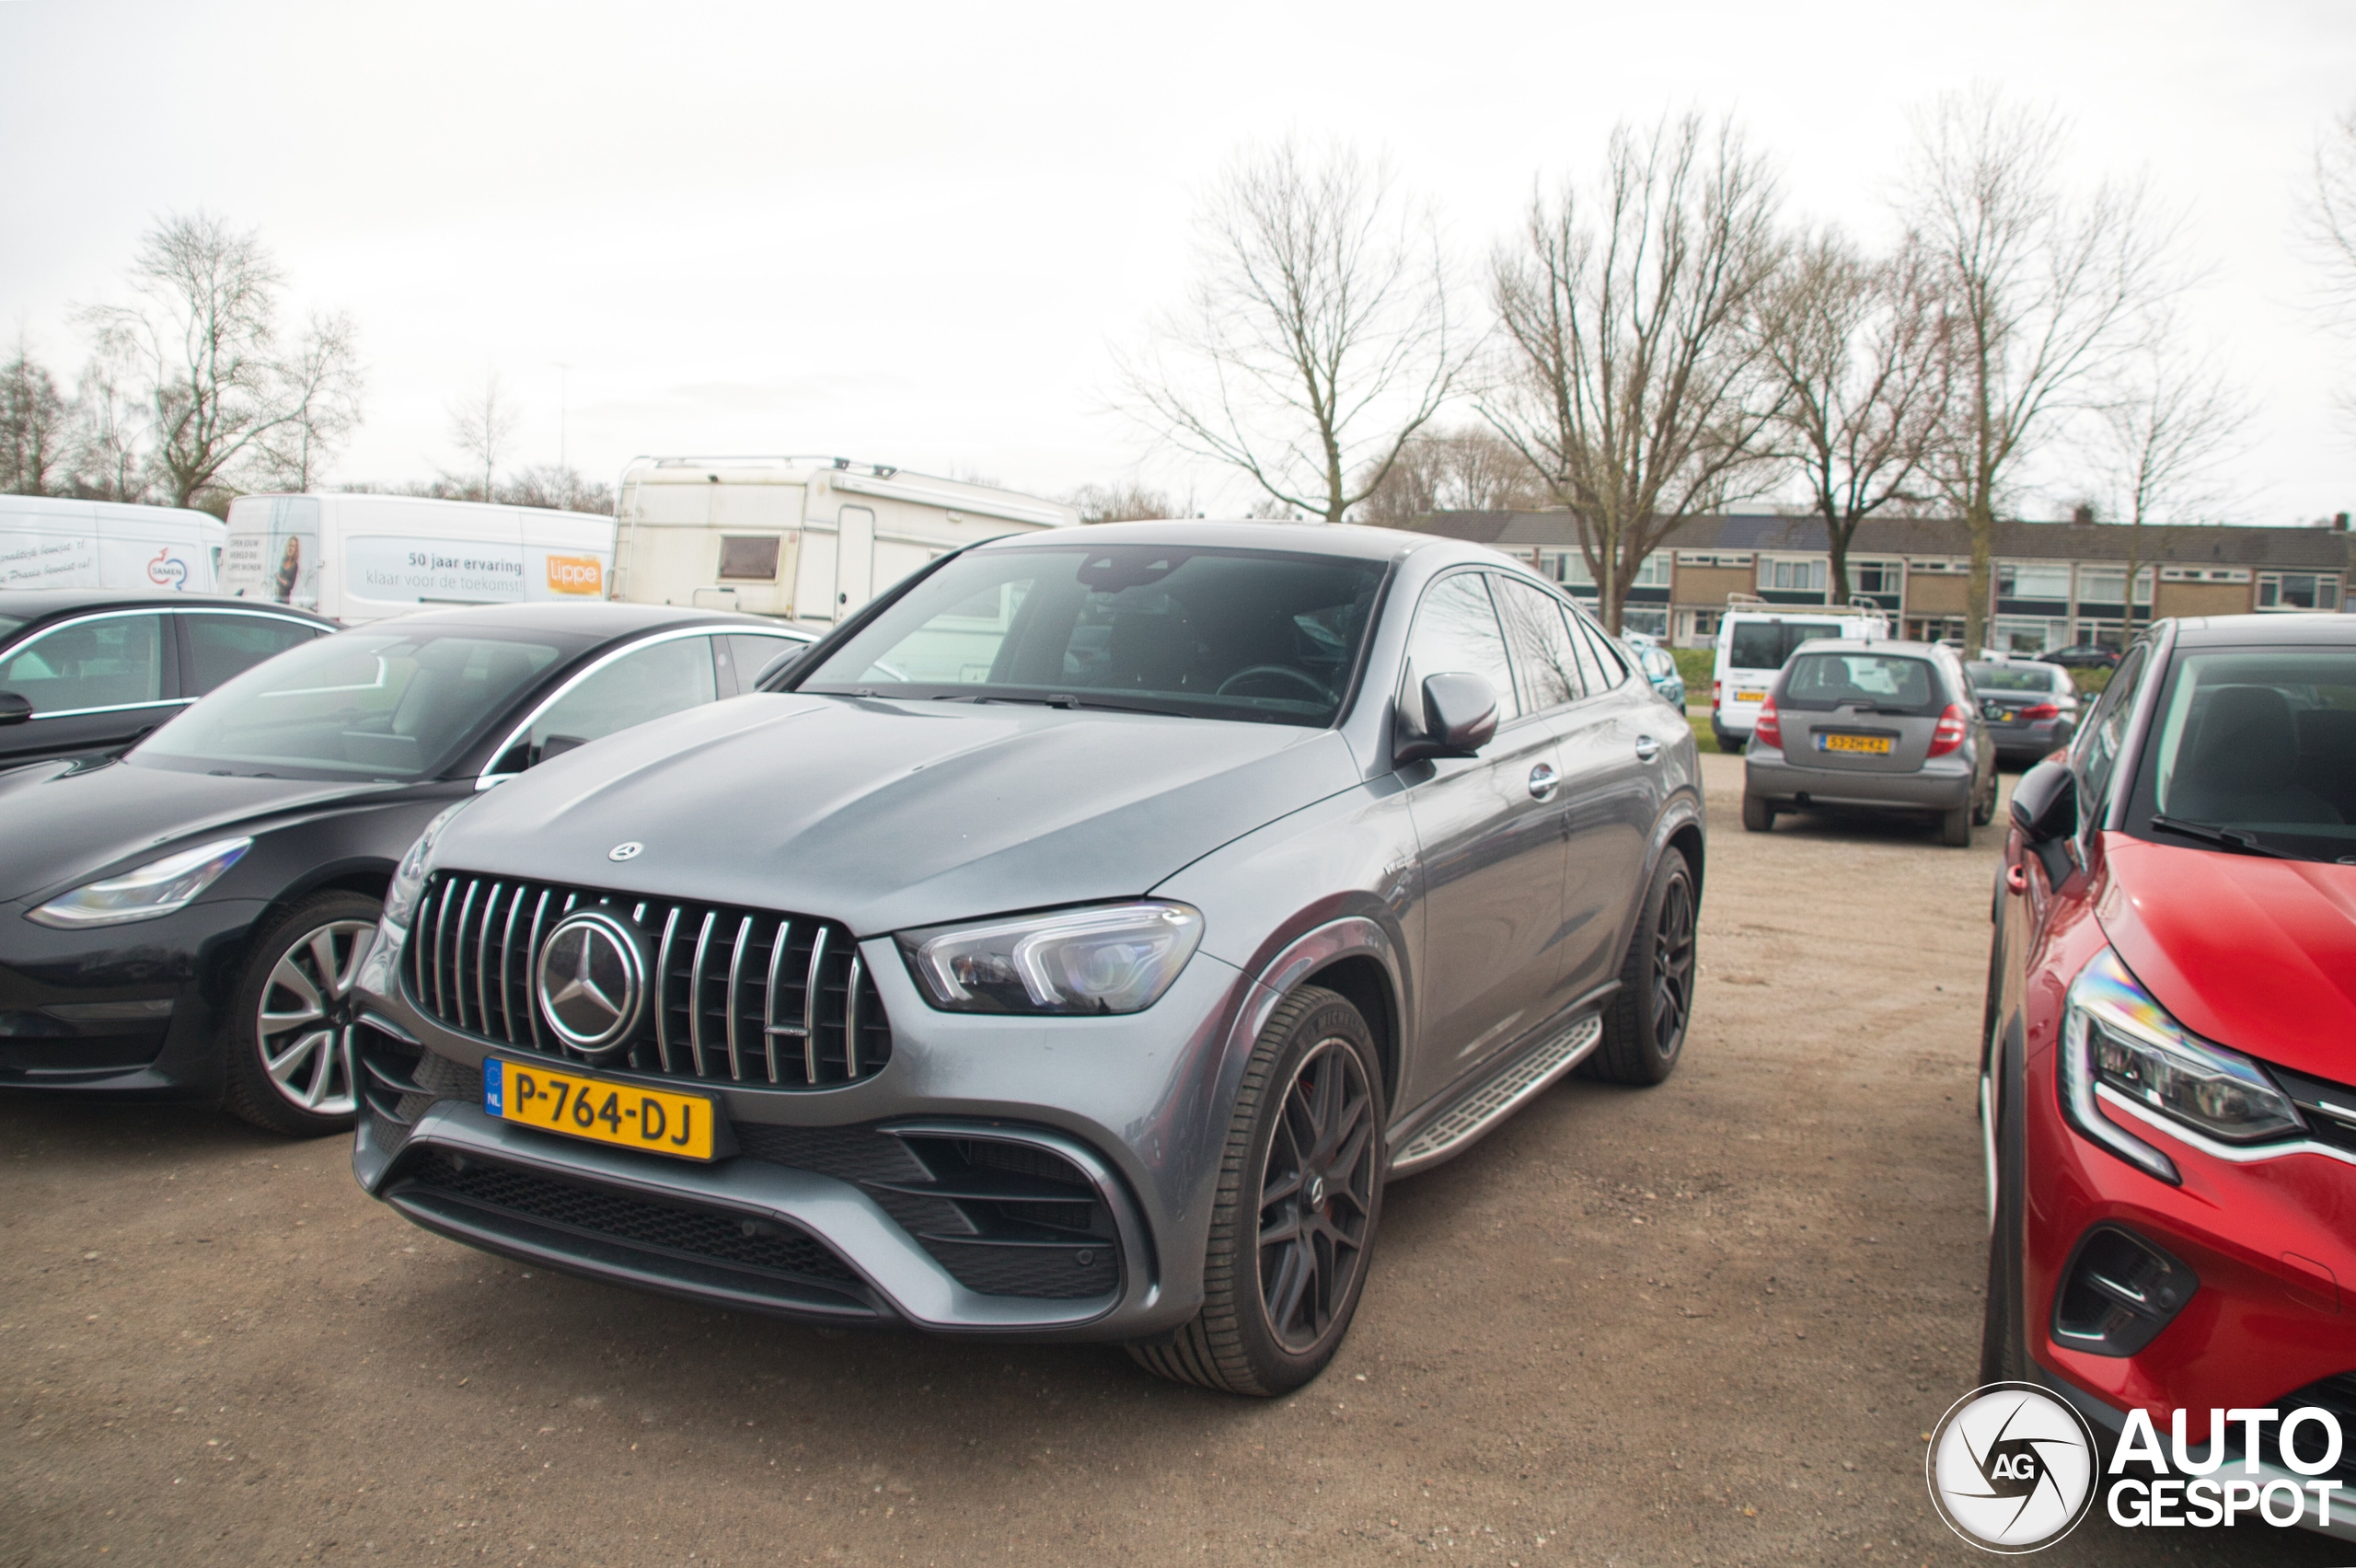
{"x":51,"y":541}
{"x":1659,"y":667}
{"x":2082,"y":656}
{"x":87,"y":671}
{"x":2168,"y":1085}
{"x":187,"y":921}
{"x":2031,"y":707}
{"x":1885,"y":727}
{"x":1070,"y":946}
{"x":1755,"y":639}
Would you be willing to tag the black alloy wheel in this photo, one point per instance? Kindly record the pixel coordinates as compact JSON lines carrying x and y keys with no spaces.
{"x":1646,"y":1021}
{"x":1299,"y":1195}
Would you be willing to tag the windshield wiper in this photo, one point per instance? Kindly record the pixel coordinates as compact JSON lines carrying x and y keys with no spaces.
{"x":1070,"y":703}
{"x":2222,"y":838}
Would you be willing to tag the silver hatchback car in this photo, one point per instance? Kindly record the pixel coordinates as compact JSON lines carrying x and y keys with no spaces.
{"x":1070,"y":946}
{"x":1872,"y":726}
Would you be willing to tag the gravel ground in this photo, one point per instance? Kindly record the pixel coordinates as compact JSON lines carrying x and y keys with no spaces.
{"x":1707,"y":1323}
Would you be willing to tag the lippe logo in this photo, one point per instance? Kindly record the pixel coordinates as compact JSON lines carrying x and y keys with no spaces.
{"x":2012,"y":1467}
{"x":576,"y":574}
{"x":167,"y":571}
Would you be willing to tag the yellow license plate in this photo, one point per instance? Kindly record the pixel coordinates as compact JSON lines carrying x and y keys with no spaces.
{"x":1865,"y":745}
{"x":1751,"y":697}
{"x":657,"y":1121}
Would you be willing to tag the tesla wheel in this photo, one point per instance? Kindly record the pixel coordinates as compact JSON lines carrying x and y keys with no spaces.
{"x":1299,"y":1191}
{"x":1955,"y":827}
{"x":1644,"y":1022}
{"x":1757,"y":815}
{"x":289,"y":1037}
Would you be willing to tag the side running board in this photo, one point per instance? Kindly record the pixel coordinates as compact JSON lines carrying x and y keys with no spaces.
{"x":1495,"y":1098}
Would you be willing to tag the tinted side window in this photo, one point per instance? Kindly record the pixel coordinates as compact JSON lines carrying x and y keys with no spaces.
{"x":110,"y":662}
{"x":1612,"y":665}
{"x":2098,"y":744}
{"x":645,"y":683}
{"x":1456,"y":630}
{"x":1544,"y":656}
{"x":222,"y":646}
{"x":752,"y":654}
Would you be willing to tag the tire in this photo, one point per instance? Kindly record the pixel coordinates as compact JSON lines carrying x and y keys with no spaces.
{"x":1983,"y":811}
{"x":2003,"y":1350}
{"x":1758,"y":816}
{"x":1311,"y":1093}
{"x":1955,"y":827}
{"x":1644,"y":1022}
{"x":290,"y":1071}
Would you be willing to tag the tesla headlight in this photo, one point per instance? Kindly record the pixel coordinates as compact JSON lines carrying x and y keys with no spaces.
{"x":157,"y":888}
{"x":408,"y":877}
{"x":2116,"y":1038}
{"x":1117,"y":959}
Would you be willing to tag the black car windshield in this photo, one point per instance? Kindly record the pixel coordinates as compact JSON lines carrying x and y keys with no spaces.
{"x":1254,"y":634}
{"x":2260,"y":742}
{"x":2013,"y":677}
{"x":1887,"y":683}
{"x":367,"y":704}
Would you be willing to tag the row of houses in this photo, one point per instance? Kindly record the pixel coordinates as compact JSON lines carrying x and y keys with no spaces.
{"x":2053,"y":584}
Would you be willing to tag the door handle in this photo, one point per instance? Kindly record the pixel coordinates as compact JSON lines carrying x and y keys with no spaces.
{"x":2017,"y":878}
{"x":1542,"y":781}
{"x":1647,"y":748}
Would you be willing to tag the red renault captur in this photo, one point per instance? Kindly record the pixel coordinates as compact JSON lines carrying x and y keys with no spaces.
{"x":2169,"y":1076}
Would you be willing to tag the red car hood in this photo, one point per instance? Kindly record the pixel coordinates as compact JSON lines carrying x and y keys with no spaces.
{"x":2253,"y":953}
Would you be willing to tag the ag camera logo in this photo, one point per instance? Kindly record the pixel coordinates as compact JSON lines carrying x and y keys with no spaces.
{"x":2012,"y":1469}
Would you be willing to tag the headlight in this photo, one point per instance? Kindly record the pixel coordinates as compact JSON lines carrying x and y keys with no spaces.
{"x":408,"y":878}
{"x":157,"y":888}
{"x":1113,"y":959}
{"x":2115,"y":1037}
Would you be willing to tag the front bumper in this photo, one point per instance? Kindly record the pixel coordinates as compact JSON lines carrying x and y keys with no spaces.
{"x":846,"y":1197}
{"x":1942,"y":784}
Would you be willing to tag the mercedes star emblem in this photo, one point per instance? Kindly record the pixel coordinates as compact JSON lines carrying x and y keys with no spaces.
{"x":628,"y":851}
{"x":591,"y":982}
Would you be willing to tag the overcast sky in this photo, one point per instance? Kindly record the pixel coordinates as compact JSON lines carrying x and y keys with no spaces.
{"x":910,"y":234}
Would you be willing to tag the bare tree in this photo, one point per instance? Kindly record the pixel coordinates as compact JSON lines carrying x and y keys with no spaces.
{"x":1860,"y":347}
{"x":1633,"y":374}
{"x":320,"y":388}
{"x":480,"y":427}
{"x":2167,"y":430}
{"x":107,"y":451}
{"x":34,"y":426}
{"x":2332,"y":224}
{"x":2047,"y":292}
{"x":1125,"y":502}
{"x":1317,"y":339}
{"x":1469,"y":469}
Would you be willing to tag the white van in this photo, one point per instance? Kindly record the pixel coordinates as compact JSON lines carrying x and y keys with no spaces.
{"x":362,"y":557}
{"x":806,"y":538}
{"x":1755,"y":638}
{"x":50,"y":542}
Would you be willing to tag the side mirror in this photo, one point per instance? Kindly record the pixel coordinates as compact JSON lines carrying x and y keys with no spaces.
{"x":1460,"y":712}
{"x":557,"y":746}
{"x":2045,"y":802}
{"x":15,"y":708}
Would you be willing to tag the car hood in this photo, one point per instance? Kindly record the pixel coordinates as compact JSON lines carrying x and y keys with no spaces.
{"x":2254,"y":953}
{"x":67,"y":822}
{"x":888,"y":814}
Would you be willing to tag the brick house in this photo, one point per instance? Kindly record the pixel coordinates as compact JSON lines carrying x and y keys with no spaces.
{"x":2052,"y":584}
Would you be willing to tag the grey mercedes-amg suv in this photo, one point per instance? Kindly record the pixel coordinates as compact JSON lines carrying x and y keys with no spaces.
{"x":1069,"y":946}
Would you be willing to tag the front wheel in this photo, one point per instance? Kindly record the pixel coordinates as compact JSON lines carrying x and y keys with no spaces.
{"x":289,"y":1035}
{"x":1300,"y":1190}
{"x":1644,"y":1024}
{"x":1955,"y":827}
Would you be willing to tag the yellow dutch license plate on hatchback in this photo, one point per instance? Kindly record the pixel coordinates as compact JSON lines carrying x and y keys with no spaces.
{"x":1862,"y":745}
{"x":657,"y":1120}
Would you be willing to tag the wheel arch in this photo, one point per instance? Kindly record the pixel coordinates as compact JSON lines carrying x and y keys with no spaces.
{"x":1361,"y":979}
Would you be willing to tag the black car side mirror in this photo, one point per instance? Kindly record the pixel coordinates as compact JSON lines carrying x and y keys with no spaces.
{"x":15,"y":708}
{"x":1461,"y":713}
{"x":2045,"y":802}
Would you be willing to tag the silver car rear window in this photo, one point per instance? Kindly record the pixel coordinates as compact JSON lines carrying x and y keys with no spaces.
{"x":1891,"y":683}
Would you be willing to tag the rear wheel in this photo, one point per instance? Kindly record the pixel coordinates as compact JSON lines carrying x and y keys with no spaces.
{"x":1758,"y":816}
{"x":1955,"y":827}
{"x":1299,"y":1191}
{"x":288,"y":1040}
{"x":1644,"y":1024}
{"x":1983,"y":811}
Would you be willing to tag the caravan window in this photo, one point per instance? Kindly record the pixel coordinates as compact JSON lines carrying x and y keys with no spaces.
{"x":748,"y":558}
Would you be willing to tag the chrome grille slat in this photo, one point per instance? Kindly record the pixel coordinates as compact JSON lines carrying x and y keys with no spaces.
{"x":474,"y":935}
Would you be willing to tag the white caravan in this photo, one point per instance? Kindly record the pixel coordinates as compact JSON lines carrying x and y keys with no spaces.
{"x":806,"y":538}
{"x":47,"y":541}
{"x":362,"y":557}
{"x":1755,"y":638}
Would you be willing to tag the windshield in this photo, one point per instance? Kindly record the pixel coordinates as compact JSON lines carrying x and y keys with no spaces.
{"x":1251,"y":635}
{"x":1764,"y":645}
{"x":1887,"y":683}
{"x":359,"y":704}
{"x":2262,"y":743}
{"x":2012,"y":677}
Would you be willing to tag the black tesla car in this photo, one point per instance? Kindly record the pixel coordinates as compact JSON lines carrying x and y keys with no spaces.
{"x":187,"y":920}
{"x":86,"y":671}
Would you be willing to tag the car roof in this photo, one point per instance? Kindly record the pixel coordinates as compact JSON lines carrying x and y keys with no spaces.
{"x":1352,"y":540}
{"x":2239,"y":631}
{"x":33,"y":605}
{"x":1870,"y":644}
{"x":599,"y":619}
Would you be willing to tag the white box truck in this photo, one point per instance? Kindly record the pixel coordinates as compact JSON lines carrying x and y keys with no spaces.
{"x":804,"y":539}
{"x":49,"y":541}
{"x":362,"y":557}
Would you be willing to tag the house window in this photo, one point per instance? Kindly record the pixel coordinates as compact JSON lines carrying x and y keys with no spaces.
{"x":2024,"y":634}
{"x":1877,"y":576}
{"x":1695,"y":627}
{"x":1570,"y":569}
{"x":1793,"y":576}
{"x":2038,"y":580}
{"x":2297,"y":591}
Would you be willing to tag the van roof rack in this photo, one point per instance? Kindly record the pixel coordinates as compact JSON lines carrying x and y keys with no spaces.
{"x":1858,"y":605}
